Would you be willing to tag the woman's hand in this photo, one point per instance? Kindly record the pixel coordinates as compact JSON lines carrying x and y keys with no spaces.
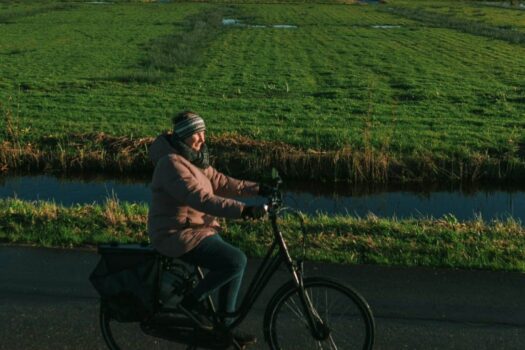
{"x":254,"y":211}
{"x":265,"y":190}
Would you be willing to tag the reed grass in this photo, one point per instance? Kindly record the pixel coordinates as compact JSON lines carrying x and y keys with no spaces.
{"x":244,"y":157}
{"x":439,"y":242}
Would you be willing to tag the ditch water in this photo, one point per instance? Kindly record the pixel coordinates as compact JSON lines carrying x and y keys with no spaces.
{"x":497,"y":203}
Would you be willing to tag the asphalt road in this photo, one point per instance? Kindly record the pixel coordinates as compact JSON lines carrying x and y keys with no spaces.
{"x":47,"y":302}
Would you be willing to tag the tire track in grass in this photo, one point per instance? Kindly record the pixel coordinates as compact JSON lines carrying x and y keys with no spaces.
{"x":476,"y":11}
{"x":460,"y":24}
{"x":439,"y":47}
{"x":445,"y":56}
{"x":470,"y":53}
{"x":275,"y":48}
{"x":10,"y":16}
{"x":428,"y":61}
{"x":171,"y":52}
{"x":340,"y":66}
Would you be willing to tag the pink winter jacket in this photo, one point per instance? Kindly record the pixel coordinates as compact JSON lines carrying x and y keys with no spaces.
{"x":186,"y":200}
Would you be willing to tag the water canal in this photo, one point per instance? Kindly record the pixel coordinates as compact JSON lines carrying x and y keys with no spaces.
{"x":464,"y":204}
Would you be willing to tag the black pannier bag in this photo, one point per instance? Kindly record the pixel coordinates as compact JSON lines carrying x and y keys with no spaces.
{"x":127,"y":279}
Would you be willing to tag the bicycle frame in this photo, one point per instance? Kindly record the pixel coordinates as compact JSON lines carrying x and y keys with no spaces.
{"x":268,"y":267}
{"x":270,"y":264}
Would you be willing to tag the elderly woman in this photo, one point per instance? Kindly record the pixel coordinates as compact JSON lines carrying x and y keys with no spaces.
{"x":188,"y":195}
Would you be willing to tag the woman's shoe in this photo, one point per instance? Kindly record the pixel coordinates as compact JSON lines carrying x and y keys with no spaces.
{"x":193,"y":309}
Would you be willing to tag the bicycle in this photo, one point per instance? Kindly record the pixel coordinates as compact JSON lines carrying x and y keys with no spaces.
{"x":304,"y":313}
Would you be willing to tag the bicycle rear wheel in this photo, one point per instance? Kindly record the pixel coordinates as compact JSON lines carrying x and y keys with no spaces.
{"x":346,"y":314}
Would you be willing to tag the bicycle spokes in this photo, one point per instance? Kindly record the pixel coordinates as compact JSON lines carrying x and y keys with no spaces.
{"x":327,"y":316}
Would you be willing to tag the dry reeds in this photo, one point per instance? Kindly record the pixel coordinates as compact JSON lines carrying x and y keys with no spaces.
{"x":244,"y":157}
{"x":77,"y":152}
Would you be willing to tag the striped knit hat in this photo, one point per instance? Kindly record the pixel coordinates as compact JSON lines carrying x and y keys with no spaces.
{"x":187,"y":123}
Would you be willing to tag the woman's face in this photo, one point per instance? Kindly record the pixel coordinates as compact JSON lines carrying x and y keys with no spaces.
{"x":195,"y":141}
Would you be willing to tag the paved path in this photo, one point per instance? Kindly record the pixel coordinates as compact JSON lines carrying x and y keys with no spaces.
{"x":46,"y":302}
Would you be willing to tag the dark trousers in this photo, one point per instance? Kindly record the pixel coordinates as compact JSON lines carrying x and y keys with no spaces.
{"x":226,"y":265}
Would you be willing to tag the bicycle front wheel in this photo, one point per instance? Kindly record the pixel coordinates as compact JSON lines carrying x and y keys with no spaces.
{"x":346,"y":315}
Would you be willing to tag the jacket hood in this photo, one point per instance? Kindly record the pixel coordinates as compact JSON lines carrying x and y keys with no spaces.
{"x":160,"y":147}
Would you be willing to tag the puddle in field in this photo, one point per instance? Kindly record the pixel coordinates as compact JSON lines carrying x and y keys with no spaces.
{"x":385,"y":26}
{"x":284,"y":26}
{"x":230,"y":22}
{"x":238,"y":23}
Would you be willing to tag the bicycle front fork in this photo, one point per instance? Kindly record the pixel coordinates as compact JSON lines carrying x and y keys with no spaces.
{"x":318,"y":327}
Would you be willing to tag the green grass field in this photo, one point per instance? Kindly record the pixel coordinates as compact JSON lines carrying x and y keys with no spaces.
{"x":442,"y":242}
{"x":336,"y":82}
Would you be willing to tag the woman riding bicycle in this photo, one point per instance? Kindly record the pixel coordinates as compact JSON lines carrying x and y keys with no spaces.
{"x":187,"y":196}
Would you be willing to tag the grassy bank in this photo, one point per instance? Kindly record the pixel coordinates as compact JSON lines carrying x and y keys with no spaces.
{"x":351,"y":100}
{"x":247,"y":158}
{"x":444,"y":242}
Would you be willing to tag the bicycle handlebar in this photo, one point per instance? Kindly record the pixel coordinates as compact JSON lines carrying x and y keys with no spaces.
{"x":275,"y":199}
{"x":275,"y":207}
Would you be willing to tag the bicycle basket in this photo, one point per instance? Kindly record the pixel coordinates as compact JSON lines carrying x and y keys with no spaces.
{"x":127,"y":279}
